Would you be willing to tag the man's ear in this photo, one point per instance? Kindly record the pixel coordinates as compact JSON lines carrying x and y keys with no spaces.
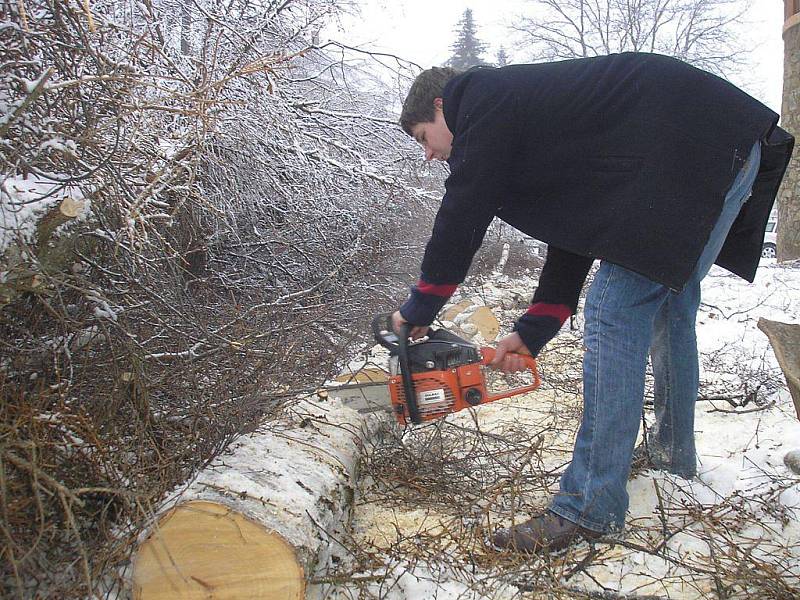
{"x":437,"y":102}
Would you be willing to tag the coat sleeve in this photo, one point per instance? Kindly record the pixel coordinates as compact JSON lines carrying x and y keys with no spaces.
{"x":562,"y":278}
{"x":484,"y":144}
{"x":556,"y":298}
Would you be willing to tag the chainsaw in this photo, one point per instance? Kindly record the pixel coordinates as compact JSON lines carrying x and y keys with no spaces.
{"x":429,"y":378}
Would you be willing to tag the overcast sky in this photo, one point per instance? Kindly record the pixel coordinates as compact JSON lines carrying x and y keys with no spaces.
{"x":423,"y":30}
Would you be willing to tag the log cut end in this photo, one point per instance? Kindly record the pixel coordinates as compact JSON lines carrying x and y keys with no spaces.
{"x":205,"y":550}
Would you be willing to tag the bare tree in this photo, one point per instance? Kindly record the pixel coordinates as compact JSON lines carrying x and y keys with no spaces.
{"x":697,"y":31}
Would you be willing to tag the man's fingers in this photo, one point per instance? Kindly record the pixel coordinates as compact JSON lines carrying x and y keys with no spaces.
{"x":418,"y":331}
{"x":510,"y":364}
{"x":506,"y":360}
{"x":499,"y":356}
{"x":397,"y":321}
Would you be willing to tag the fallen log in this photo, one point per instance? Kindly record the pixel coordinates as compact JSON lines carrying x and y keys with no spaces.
{"x":260,"y":520}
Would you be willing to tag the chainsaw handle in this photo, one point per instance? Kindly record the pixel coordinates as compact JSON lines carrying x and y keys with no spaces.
{"x":488,"y":355}
{"x":405,"y":372}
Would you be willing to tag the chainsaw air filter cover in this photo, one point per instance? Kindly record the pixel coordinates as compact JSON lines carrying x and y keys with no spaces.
{"x":441,"y":351}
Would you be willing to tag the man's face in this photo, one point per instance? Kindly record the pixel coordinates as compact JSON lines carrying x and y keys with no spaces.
{"x":434,"y":136}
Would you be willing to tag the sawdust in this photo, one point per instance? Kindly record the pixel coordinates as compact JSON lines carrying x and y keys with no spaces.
{"x":537,"y":413}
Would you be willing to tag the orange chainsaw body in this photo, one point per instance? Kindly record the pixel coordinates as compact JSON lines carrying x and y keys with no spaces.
{"x":440,"y":393}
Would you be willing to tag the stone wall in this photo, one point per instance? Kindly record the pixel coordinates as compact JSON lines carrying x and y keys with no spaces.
{"x":789,"y":196}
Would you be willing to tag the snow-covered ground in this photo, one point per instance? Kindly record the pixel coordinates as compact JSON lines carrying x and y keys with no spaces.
{"x":430,"y":497}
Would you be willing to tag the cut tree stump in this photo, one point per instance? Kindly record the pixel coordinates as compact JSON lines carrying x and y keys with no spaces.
{"x":264,"y":517}
{"x":23,"y":265}
{"x":206,"y":548}
{"x":785,"y":341}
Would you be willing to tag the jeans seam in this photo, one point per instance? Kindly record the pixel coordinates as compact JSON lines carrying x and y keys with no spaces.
{"x":592,"y":453}
{"x":668,"y":404}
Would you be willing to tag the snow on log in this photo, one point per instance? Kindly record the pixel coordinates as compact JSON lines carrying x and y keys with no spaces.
{"x":262,"y":518}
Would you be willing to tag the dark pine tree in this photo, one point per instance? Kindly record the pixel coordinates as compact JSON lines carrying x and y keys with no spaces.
{"x":467,"y":48}
{"x":502,"y":57}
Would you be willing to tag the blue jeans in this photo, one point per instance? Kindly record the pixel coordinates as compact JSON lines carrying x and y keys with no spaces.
{"x":627,"y":316}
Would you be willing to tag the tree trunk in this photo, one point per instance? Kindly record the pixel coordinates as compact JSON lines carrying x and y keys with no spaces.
{"x":259,"y":521}
{"x":501,"y":264}
{"x":186,"y":28}
{"x":788,"y":238}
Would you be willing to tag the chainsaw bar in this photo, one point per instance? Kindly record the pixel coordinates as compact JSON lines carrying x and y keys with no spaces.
{"x":369,"y":397}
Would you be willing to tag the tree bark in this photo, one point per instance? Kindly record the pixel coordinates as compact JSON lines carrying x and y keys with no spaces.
{"x":259,"y":521}
{"x":501,"y":264}
{"x":788,"y":232}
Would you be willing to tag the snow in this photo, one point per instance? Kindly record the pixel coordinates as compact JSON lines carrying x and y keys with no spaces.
{"x":743,"y":505}
{"x":31,"y":84}
{"x":59,"y":144}
{"x":102,"y":309}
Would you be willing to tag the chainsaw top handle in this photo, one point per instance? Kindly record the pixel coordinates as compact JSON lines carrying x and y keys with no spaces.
{"x":398,"y":344}
{"x":384,"y":333}
{"x":488,"y":355}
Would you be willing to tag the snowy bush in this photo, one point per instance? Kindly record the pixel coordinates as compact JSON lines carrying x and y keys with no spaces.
{"x":201,"y":210}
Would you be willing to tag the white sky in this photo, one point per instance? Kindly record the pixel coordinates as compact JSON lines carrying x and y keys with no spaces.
{"x":422,"y":31}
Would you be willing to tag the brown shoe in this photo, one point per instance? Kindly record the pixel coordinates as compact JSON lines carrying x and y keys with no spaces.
{"x":548,"y":532}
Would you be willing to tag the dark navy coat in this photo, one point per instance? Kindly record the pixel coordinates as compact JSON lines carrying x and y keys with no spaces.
{"x":625,"y":157}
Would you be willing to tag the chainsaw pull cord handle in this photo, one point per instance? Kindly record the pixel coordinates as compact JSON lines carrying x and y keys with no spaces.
{"x":530,"y":362}
{"x":405,"y":372}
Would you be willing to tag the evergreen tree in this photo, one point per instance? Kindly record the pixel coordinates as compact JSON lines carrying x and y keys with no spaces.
{"x":467,"y":48}
{"x":502,"y":57}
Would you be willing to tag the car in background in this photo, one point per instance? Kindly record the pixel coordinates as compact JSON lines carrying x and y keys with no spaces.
{"x":770,"y":238}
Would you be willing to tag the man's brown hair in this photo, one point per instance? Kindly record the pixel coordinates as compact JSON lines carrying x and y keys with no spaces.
{"x":418,"y":105}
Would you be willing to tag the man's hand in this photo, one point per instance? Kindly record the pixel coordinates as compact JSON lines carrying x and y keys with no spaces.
{"x":417,"y":331}
{"x":509,"y":363}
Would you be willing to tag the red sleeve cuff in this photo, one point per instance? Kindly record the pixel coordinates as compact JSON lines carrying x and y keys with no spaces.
{"x":444,"y":290}
{"x":542,"y":309}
